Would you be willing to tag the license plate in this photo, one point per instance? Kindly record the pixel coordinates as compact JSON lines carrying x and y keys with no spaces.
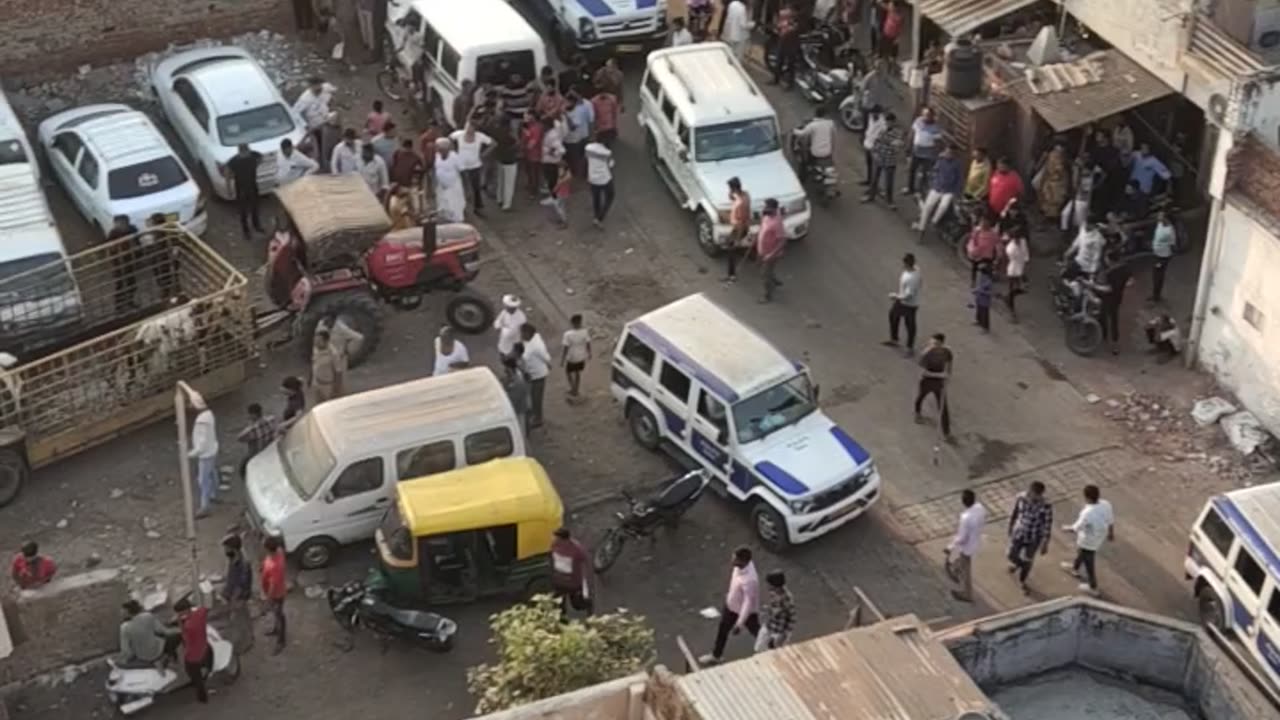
{"x":630,"y":48}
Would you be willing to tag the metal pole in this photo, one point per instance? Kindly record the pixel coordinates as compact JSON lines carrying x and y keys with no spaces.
{"x":180,"y":395}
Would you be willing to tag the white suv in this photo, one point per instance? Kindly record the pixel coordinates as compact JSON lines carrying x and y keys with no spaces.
{"x":592,"y":25}
{"x":113,"y":161}
{"x":705,"y":122}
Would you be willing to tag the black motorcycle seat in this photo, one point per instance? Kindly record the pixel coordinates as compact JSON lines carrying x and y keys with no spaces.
{"x":677,"y":492}
{"x":417,"y":619}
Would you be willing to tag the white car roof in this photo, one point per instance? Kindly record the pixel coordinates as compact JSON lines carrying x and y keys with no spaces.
{"x":22,"y":202}
{"x":1259,"y":509}
{"x":401,"y":415}
{"x":477,"y":23}
{"x":118,"y":134}
{"x":709,"y":343}
{"x":231,"y":78}
{"x":707,"y":85}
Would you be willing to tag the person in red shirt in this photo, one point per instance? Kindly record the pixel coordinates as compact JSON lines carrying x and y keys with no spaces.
{"x":197,"y":656}
{"x":770,"y":244}
{"x":30,"y":569}
{"x":274,"y":588}
{"x":531,"y":131}
{"x":569,"y":573}
{"x":1004,"y":187}
{"x":983,"y":246}
{"x":606,"y":107}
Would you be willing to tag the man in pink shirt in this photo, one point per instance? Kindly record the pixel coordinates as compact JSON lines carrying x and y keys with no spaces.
{"x":770,"y":243}
{"x":741,"y":604}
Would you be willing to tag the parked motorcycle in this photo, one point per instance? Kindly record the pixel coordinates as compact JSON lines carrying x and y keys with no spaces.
{"x":1080,"y":312}
{"x":818,"y":175}
{"x":665,"y":508}
{"x":1139,"y":232}
{"x":355,"y":605}
{"x":132,"y":689}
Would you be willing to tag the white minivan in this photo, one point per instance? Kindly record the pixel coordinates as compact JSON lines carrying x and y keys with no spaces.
{"x":478,"y":40}
{"x":695,"y":381}
{"x":1234,"y":562}
{"x":328,"y":480}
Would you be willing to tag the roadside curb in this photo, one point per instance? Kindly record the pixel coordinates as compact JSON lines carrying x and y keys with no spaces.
{"x":534,"y":291}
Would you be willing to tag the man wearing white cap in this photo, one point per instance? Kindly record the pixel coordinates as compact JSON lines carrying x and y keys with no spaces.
{"x":204,"y":449}
{"x":508,"y":324}
{"x":451,"y":200}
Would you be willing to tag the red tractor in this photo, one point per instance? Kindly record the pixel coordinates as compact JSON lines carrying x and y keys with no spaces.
{"x":339,"y":261}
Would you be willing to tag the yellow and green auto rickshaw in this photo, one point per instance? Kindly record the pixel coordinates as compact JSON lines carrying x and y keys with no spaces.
{"x":470,"y":533}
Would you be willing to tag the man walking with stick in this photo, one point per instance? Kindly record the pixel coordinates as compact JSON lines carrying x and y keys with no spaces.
{"x":936,"y":372}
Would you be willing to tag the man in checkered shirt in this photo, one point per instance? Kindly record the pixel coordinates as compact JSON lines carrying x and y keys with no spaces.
{"x":258,"y":434}
{"x":1030,"y":525}
{"x":779,"y":614}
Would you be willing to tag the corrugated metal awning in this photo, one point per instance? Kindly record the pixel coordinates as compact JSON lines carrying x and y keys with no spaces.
{"x":1219,"y":54}
{"x":1124,"y":86}
{"x":961,"y":17}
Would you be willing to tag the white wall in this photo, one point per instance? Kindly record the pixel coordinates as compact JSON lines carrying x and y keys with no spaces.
{"x":1245,"y":359}
{"x":1261,"y":111}
{"x":1148,"y":31}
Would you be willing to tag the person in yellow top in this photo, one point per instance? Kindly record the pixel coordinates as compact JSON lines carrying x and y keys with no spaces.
{"x":400,"y":208}
{"x":976,"y":181}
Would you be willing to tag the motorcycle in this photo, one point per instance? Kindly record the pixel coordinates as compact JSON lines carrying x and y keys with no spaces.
{"x":1139,"y":232}
{"x":819,"y":174}
{"x":355,"y":605}
{"x":665,"y":508}
{"x":1080,"y":312}
{"x":132,"y":689}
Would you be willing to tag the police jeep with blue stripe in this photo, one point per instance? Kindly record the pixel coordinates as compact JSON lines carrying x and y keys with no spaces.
{"x":696,"y":382}
{"x":589,"y":26}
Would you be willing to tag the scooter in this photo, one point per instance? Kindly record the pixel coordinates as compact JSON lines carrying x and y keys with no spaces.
{"x":665,"y":508}
{"x":818,"y":174}
{"x":133,"y":689}
{"x":354,"y":605}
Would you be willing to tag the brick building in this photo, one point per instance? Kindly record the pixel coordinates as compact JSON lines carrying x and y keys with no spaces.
{"x":53,"y":36}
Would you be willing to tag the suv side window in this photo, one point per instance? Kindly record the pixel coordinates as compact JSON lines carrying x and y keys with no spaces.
{"x":1250,"y":571}
{"x":449,"y":59}
{"x":1217,"y":531}
{"x":430,"y":42}
{"x":488,"y":445}
{"x":88,"y":169}
{"x":640,"y":355}
{"x":1273,"y":607}
{"x":359,"y":477}
{"x":429,"y":459}
{"x":651,"y":84}
{"x":68,"y":143}
{"x":669,"y":110}
{"x":682,"y":131}
{"x":712,"y":410}
{"x":676,"y":382}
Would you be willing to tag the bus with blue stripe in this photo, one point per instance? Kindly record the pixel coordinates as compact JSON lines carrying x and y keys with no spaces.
{"x":695,"y":381}
{"x":592,"y":26}
{"x":1233,"y":560}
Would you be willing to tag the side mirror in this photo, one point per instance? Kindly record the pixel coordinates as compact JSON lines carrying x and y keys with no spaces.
{"x":328,"y":497}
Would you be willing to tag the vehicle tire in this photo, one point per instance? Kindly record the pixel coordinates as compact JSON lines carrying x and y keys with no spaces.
{"x":608,"y":550}
{"x":357,"y":309}
{"x":1209,"y":607}
{"x":470,"y":314}
{"x":770,"y":527}
{"x":851,"y":118}
{"x":231,"y":673}
{"x":1083,"y":335}
{"x":707,"y":236}
{"x":644,"y":426}
{"x":442,"y":647}
{"x":651,"y":151}
{"x":316,"y":553}
{"x":14,"y":473}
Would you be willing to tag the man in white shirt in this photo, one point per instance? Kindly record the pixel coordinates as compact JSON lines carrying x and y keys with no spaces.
{"x":451,"y":200}
{"x":535,"y":362}
{"x":959,"y":554}
{"x":1094,"y":526}
{"x":473,"y":146}
{"x":374,"y":171}
{"x":346,"y":154}
{"x":451,"y":354}
{"x":820,"y":133}
{"x":600,"y":178}
{"x":1086,"y":249}
{"x":736,"y":28}
{"x":313,"y":106}
{"x":291,"y":164}
{"x":680,"y":34}
{"x":876,"y":125}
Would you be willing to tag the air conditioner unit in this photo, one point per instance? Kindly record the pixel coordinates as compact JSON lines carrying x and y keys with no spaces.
{"x":1216,"y":113}
{"x":1266,"y":29}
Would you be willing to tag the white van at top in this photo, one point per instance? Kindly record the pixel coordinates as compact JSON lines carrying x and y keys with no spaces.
{"x":694,"y":380}
{"x":1234,"y":560}
{"x":14,"y":147}
{"x":478,"y":40}
{"x":328,"y":480}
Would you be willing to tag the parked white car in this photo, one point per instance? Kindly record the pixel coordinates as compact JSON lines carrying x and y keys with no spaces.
{"x":113,"y":161}
{"x":218,"y":98}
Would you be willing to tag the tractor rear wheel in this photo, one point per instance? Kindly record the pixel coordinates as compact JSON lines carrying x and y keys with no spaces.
{"x":356,"y":309}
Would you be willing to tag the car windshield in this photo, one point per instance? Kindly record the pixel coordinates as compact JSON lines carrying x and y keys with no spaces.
{"x":781,"y":405}
{"x":145,"y":178}
{"x":306,"y":456}
{"x":251,"y":126}
{"x":735,"y":140}
{"x":11,"y":153}
{"x":38,"y":276}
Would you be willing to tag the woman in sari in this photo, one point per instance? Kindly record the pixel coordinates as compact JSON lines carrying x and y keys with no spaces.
{"x":1053,"y":182}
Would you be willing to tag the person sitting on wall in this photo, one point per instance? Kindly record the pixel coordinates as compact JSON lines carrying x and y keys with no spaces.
{"x":30,"y":569}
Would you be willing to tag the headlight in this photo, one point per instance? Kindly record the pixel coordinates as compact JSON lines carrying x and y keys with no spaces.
{"x":797,"y":206}
{"x":586,"y":29}
{"x":722,"y":214}
{"x":800,"y":507}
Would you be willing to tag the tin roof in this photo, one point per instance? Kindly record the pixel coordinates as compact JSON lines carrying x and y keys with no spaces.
{"x":1123,"y":85}
{"x":893,"y":670}
{"x":961,"y":17}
